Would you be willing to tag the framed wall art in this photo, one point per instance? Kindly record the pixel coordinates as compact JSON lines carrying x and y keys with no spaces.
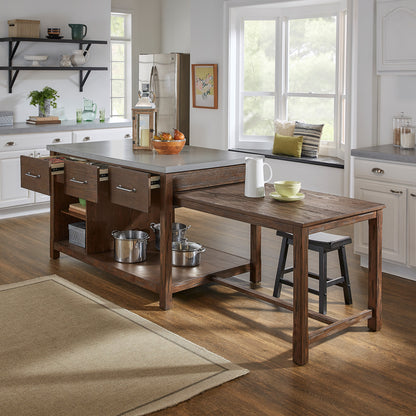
{"x":205,"y":85}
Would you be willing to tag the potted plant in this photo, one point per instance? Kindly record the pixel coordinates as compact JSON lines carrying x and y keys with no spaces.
{"x":45,"y":99}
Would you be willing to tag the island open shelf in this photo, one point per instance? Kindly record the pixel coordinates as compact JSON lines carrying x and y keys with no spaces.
{"x":147,"y":274}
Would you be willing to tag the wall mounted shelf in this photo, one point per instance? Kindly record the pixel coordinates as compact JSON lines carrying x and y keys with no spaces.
{"x":13,"y":70}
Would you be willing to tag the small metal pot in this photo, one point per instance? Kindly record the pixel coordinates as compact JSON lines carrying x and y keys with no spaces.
{"x":178,"y":232}
{"x":130,"y":246}
{"x":186,"y":253}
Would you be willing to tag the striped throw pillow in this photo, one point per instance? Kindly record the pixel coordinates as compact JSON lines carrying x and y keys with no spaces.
{"x":311,"y":137}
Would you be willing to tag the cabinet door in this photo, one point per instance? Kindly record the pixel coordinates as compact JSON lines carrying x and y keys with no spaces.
{"x":411,"y":228}
{"x":396,"y":31}
{"x":102,"y":134}
{"x":11,"y":193}
{"x":394,"y":218}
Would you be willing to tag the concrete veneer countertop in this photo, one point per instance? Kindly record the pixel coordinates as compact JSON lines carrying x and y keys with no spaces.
{"x":386,"y":152}
{"x":67,"y":125}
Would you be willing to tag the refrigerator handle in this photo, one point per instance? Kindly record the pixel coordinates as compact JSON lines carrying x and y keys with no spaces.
{"x":152,"y":84}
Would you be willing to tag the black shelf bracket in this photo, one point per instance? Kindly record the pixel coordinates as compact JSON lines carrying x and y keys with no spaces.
{"x":83,"y":79}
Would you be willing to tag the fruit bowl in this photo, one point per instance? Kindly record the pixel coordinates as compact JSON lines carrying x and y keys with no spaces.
{"x":168,"y":147}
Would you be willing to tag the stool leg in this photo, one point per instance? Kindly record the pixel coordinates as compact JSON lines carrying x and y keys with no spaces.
{"x":281,"y":267}
{"x":344,"y":272}
{"x":323,"y":272}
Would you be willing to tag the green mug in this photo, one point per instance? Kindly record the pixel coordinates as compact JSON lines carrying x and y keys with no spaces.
{"x":78,"y":31}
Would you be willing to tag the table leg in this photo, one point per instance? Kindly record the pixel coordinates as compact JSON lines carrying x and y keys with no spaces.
{"x":166,"y":219}
{"x":374,"y":270}
{"x":300,"y":339}
{"x":255,"y":256}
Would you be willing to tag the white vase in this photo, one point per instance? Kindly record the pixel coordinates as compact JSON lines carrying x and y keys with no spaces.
{"x":47,"y":109}
{"x":79,"y":57}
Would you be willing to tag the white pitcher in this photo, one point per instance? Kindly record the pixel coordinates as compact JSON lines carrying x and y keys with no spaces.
{"x":254,"y":184}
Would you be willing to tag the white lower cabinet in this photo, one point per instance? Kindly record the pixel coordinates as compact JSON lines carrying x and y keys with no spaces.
{"x":411,"y":212}
{"x":11,"y":194}
{"x":394,"y":185}
{"x":394,"y":218}
{"x":102,"y":134}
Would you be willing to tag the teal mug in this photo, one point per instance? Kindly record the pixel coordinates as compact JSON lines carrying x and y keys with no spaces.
{"x":78,"y":31}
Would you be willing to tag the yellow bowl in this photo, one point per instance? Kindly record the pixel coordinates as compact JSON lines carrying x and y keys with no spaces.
{"x":168,"y":147}
{"x":287,"y":188}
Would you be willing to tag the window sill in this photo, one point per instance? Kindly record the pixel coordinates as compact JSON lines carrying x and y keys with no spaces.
{"x":327,"y":161}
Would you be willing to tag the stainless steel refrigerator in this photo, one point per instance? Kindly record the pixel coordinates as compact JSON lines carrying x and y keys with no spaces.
{"x":165,"y":79}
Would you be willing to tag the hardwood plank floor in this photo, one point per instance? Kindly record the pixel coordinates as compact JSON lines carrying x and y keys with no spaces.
{"x":355,"y":373}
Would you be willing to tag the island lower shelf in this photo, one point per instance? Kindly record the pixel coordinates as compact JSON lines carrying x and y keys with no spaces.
{"x":147,"y":273}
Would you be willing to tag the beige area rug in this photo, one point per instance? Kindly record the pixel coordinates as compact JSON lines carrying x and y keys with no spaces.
{"x":65,"y":351}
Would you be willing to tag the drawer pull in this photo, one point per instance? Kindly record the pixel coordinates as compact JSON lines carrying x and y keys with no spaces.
{"x":127,"y":136}
{"x":86,"y":139}
{"x":377,"y":171}
{"x":396,"y":192}
{"x":77,"y":181}
{"x":413,"y":195}
{"x":32,"y":176}
{"x":10,"y":144}
{"x":57,"y":140}
{"x":121,"y":188}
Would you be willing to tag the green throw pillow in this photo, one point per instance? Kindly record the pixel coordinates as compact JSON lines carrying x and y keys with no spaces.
{"x":287,"y":145}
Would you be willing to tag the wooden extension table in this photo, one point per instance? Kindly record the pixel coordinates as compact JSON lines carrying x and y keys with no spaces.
{"x":317,"y":212}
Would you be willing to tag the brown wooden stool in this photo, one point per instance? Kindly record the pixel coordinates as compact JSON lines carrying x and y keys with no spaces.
{"x":323,"y":243}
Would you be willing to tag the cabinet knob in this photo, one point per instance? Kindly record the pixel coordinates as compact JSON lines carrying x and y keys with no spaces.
{"x":11,"y":144}
{"x":127,"y":136}
{"x":57,"y":140}
{"x":377,"y":171}
{"x":396,"y":192}
{"x":86,"y":139}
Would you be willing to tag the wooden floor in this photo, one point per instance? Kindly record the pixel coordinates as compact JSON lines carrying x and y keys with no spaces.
{"x":355,"y":373}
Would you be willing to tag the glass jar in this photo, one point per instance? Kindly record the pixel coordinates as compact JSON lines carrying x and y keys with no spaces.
{"x":407,"y":136}
{"x":398,"y":122}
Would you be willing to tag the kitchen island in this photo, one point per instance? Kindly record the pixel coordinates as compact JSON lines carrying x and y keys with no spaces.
{"x":211,"y":181}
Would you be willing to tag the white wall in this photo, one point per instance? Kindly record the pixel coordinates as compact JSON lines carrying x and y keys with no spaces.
{"x":146,"y":32}
{"x":52,"y":13}
{"x":176,"y":26}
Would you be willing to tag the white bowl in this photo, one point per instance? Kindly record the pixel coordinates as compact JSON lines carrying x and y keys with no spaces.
{"x":36,"y":59}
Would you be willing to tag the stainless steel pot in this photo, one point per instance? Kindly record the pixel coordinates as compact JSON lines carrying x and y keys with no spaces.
{"x":178,"y":232}
{"x":130,"y":246}
{"x":186,"y":253}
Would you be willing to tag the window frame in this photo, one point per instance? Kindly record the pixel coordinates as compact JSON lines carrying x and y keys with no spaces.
{"x":127,"y":41}
{"x":281,"y":14}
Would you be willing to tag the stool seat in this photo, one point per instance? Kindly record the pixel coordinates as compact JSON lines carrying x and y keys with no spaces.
{"x":322,"y":243}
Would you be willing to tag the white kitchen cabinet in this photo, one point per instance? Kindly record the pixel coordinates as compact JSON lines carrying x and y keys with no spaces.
{"x":394,"y":185}
{"x":102,"y":134}
{"x":396,"y":34}
{"x":411,"y":212}
{"x":11,"y":194}
{"x":394,"y":218}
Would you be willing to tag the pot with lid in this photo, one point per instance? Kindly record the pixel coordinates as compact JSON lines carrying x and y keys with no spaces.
{"x":186,"y":253}
{"x":178,"y":232}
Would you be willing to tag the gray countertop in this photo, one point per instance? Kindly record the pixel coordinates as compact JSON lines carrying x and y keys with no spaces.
{"x":386,"y":152}
{"x":122,"y":153}
{"x":67,"y":125}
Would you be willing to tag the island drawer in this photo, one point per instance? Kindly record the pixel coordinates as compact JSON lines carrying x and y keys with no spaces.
{"x":132,"y":189}
{"x":82,"y":179}
{"x":36,"y":172}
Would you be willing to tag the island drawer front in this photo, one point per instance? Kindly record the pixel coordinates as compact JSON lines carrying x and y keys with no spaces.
{"x":81,"y":180}
{"x":130,"y":188}
{"x":35,"y":174}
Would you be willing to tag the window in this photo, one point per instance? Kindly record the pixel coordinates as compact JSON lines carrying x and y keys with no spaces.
{"x":120,"y":65}
{"x":287,"y":63}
